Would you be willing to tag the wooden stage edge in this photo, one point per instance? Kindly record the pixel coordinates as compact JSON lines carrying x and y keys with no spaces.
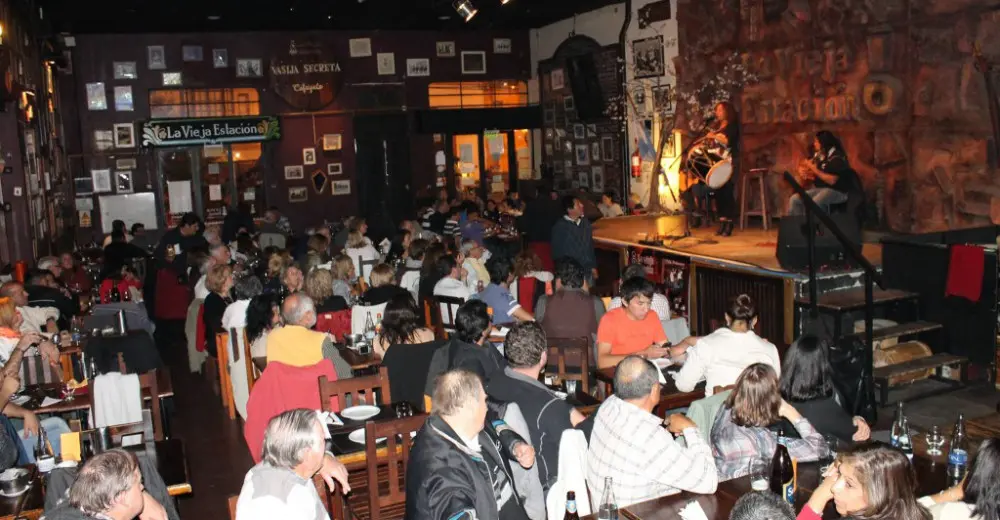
{"x":751,"y":250}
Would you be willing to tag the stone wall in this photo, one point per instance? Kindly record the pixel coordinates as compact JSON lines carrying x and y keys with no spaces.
{"x":895,"y":79}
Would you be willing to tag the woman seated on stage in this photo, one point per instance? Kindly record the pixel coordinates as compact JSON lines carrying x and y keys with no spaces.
{"x":740,"y":433}
{"x":871,"y":481}
{"x":720,"y":357}
{"x":830,"y":173}
{"x":978,"y":496}
{"x":807,"y":384}
{"x":695,"y":198}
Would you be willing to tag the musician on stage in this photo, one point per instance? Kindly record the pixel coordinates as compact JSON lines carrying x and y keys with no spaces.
{"x":727,"y":134}
{"x":830,"y":173}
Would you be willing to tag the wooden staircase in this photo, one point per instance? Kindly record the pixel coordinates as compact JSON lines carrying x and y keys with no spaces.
{"x":837,"y":304}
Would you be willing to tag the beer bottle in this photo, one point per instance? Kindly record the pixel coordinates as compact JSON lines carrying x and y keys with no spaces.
{"x":571,"y":513}
{"x":783,"y":471}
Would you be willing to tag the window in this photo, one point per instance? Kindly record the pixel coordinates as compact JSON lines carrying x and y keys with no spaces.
{"x":478,"y":94}
{"x":203,"y":102}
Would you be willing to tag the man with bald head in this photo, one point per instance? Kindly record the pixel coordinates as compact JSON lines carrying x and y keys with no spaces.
{"x":629,"y":444}
{"x":296,"y":344}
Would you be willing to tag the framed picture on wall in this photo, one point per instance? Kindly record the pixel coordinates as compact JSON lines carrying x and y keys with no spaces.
{"x":473,"y":62}
{"x":607,"y":149}
{"x":123,"y":98}
{"x":298,"y":194}
{"x":124,"y":135}
{"x":386,"y":63}
{"x":220,"y":58}
{"x":126,"y":164}
{"x":597,"y":184}
{"x":83,"y":185}
{"x":502,"y":46}
{"x":335,"y":168}
{"x":125,"y":70}
{"x":558,"y":79}
{"x":102,"y":180}
{"x":171,"y":79}
{"x":104,"y":140}
{"x":294,"y":172}
{"x":97,"y":99}
{"x":568,"y":103}
{"x":156,"y":57}
{"x":123,"y":182}
{"x":341,"y":187}
{"x":248,"y":68}
{"x":582,"y":155}
{"x":308,"y":156}
{"x":332,"y":142}
{"x":595,"y":150}
{"x":418,"y":67}
{"x":360,"y":47}
{"x":579,"y":131}
{"x":647,"y":57}
{"x":191,"y":53}
{"x":445,"y":49}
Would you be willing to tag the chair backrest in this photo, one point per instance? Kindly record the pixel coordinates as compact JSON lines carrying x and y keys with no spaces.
{"x":272,"y":239}
{"x":359,"y":314}
{"x":222,"y":346}
{"x":135,"y":433}
{"x":443,"y":312}
{"x":365,"y":267}
{"x":232,"y":506}
{"x":336,"y":323}
{"x":360,"y":389}
{"x":148,"y":382}
{"x":571,"y":352}
{"x":252,"y":373}
{"x":397,"y":456}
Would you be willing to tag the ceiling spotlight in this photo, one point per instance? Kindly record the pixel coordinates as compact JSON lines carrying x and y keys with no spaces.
{"x":504,"y":2}
{"x":465,"y":9}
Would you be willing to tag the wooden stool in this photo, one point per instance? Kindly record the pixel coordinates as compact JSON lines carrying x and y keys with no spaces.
{"x":759,"y":175}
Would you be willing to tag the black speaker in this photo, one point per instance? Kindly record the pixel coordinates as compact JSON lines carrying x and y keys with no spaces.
{"x":587,"y":94}
{"x":793,"y":249}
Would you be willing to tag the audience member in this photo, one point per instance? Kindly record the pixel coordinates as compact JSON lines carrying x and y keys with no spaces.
{"x":238,"y":220}
{"x":171,"y":252}
{"x":316,"y":253}
{"x":452,"y":232}
{"x":631,"y":329}
{"x":573,"y":237}
{"x":720,"y":357}
{"x":219,"y":282}
{"x":382,"y":287}
{"x":234,"y":321}
{"x":445,"y":477}
{"x":434,"y":218}
{"x":659,"y":303}
{"x":140,"y":238}
{"x":319,"y":287}
{"x":33,"y":319}
{"x":276,"y":262}
{"x":546,"y":414}
{"x":296,"y":344}
{"x":109,"y":487}
{"x":117,"y":227}
{"x":292,"y":279}
{"x":497,"y":295}
{"x":807,"y":385}
{"x":451,"y":279}
{"x":205,"y":266}
{"x":344,"y":275}
{"x":263,"y":314}
{"x":741,"y":433}
{"x":571,"y":311}
{"x":409,"y":274}
{"x":978,"y":496}
{"x":429,"y":276}
{"x":281,"y":486}
{"x":492,"y":211}
{"x":43,"y":291}
{"x":477,"y":276}
{"x":402,"y":324}
{"x":609,"y":208}
{"x":468,"y":347}
{"x":399,"y":248}
{"x":870,"y":481}
{"x":761,"y":505}
{"x":473,"y":228}
{"x":360,"y":249}
{"x":629,"y":444}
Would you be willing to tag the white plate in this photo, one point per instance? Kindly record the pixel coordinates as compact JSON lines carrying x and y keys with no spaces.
{"x":67,"y":464}
{"x":360,"y":413}
{"x":358,"y":436}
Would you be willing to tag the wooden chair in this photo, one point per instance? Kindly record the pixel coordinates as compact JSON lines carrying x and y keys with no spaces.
{"x":360,"y":389}
{"x":148,"y":381}
{"x":142,"y":429}
{"x":441,"y":306}
{"x":252,"y":373}
{"x":572,"y":352}
{"x":397,"y":455}
{"x":232,"y":506}
{"x":366,"y":267}
{"x":225,"y":381}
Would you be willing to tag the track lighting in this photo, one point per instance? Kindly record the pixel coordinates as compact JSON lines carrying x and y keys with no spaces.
{"x":465,"y":9}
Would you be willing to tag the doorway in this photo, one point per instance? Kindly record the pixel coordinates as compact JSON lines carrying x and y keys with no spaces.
{"x":382,"y":149}
{"x":491,"y":162}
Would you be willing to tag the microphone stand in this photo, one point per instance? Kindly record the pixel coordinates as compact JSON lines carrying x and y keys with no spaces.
{"x":686,"y":210}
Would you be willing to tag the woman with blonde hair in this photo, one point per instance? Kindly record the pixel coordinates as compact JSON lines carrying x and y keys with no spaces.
{"x":360,"y":249}
{"x":276,"y":263}
{"x":317,"y":251}
{"x":319,"y":287}
{"x":219,"y":282}
{"x":870,"y":481}
{"x":343,"y":277}
{"x":292,"y":279}
{"x":741,"y":433}
{"x":383,"y":287}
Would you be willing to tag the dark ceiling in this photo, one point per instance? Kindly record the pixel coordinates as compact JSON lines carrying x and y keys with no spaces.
{"x":146,"y":16}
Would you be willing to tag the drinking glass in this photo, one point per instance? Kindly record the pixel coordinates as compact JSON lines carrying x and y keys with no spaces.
{"x":571,"y":386}
{"x":824,"y":462}
{"x":760,"y":474}
{"x":935,"y":441}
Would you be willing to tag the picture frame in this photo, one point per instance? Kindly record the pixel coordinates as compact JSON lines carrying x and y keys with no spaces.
{"x":102,"y":180}
{"x":582,"y":155}
{"x":418,"y":67}
{"x":123,"y":181}
{"x":568,"y":103}
{"x":294,"y":172}
{"x":341,"y":187}
{"x":308,"y":156}
{"x":648,"y":57}
{"x":663,"y":99}
{"x":83,"y":186}
{"x":171,"y":79}
{"x":335,"y":168}
{"x":558,"y":79}
{"x":568,"y":166}
{"x":670,"y":146}
{"x":126,"y":164}
{"x":583,"y":178}
{"x":319,"y":180}
{"x":124,"y":135}
{"x":97,"y":99}
{"x":249,"y":68}
{"x":502,"y":46}
{"x":473,"y":62}
{"x":548,"y":149}
{"x":104,"y":140}
{"x":360,"y":47}
{"x":597,"y":183}
{"x":445,"y":49}
{"x":298,"y":194}
{"x":123,"y":98}
{"x":124,"y":70}
{"x":332,"y":142}
{"x":595,"y":150}
{"x":192,"y":53}
{"x":607,"y":148}
{"x":579,"y":131}
{"x":156,"y":57}
{"x":220,"y":58}
{"x":386,"y":63}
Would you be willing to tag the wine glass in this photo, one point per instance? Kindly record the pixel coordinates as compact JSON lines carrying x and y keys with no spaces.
{"x":935,"y":441}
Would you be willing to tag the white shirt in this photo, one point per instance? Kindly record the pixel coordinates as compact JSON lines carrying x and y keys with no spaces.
{"x":200,"y":291}
{"x":721,"y":357}
{"x":270,"y":493}
{"x":35,"y":318}
{"x":631,"y":446}
{"x":455,"y":288}
{"x":235,"y":317}
{"x":612,"y":210}
{"x":948,"y":510}
{"x":367,"y":253}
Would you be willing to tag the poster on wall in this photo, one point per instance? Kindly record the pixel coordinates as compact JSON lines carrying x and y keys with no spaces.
{"x":123,"y":98}
{"x":418,"y":67}
{"x":308,"y":75}
{"x":179,"y":196}
{"x":96,"y":98}
{"x":102,"y":180}
{"x":445,"y":49}
{"x":647,"y":57}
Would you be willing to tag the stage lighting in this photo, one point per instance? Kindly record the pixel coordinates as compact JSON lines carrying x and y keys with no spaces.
{"x":504,"y":2}
{"x":465,"y":9}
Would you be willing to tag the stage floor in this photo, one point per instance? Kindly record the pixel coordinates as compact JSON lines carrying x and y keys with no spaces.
{"x":752,"y":247}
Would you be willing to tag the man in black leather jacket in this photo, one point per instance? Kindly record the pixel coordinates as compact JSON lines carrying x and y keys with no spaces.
{"x":460,"y":463}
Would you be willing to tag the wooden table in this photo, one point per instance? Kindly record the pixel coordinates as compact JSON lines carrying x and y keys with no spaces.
{"x":83,"y":402}
{"x":358,"y":361}
{"x":670,"y":397}
{"x":350,"y":453}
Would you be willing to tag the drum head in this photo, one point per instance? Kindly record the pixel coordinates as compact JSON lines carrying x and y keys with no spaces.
{"x":719,"y":175}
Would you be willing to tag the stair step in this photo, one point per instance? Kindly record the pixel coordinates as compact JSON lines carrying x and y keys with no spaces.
{"x":853,"y":299}
{"x":903,"y":329}
{"x":914,"y":365}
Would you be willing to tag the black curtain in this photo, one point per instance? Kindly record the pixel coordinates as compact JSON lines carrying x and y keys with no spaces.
{"x":384,"y":177}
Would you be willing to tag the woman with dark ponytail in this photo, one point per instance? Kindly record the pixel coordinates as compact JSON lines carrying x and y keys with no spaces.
{"x":721,"y":356}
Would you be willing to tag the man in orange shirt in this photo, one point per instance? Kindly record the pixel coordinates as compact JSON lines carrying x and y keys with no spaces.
{"x":631,"y":329}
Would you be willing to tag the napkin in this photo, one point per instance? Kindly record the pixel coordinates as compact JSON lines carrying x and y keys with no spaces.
{"x":48,"y":401}
{"x":659,"y":374}
{"x":70,"y":445}
{"x":693,"y":511}
{"x":330,"y":419}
